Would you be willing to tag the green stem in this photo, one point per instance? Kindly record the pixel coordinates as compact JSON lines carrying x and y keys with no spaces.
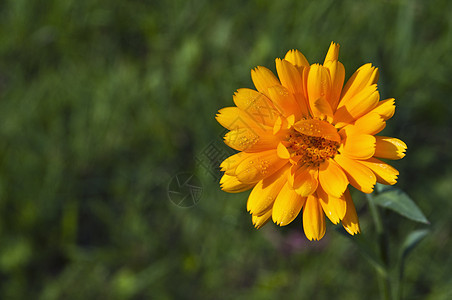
{"x":383,"y":248}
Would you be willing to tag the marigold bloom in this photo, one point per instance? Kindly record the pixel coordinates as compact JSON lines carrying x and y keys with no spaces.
{"x":303,"y":138}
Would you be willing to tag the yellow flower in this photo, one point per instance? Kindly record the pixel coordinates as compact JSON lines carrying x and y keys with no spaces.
{"x":304,"y":138}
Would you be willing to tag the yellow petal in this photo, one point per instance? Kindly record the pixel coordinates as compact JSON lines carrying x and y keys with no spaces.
{"x":313,"y":219}
{"x":333,"y":53}
{"x":360,"y":176}
{"x":258,"y":166}
{"x":257,"y":106}
{"x":351,"y":109}
{"x":282,"y":151}
{"x":384,"y":172}
{"x":305,"y":181}
{"x":360,"y":146}
{"x":250,"y":140}
{"x":229,"y":165}
{"x":390,"y":148}
{"x":371,"y":123}
{"x":332,"y":178}
{"x":385,"y":108}
{"x":291,"y":79}
{"x":259,"y":221}
{"x":265,"y":192}
{"x":284,"y":100}
{"x":233,"y":118}
{"x":337,"y":73}
{"x":350,"y":220}
{"x":319,"y":86}
{"x":333,"y":207}
{"x":287,"y":206}
{"x":263,"y":78}
{"x":296,"y":58}
{"x":323,"y":107}
{"x":365,"y":76}
{"x":230,"y":184}
{"x":317,"y":128}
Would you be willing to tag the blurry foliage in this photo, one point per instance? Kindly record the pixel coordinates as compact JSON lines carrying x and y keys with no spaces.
{"x":102,"y":102}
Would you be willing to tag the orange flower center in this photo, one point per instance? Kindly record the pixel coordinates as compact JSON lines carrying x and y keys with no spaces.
{"x":312,"y":142}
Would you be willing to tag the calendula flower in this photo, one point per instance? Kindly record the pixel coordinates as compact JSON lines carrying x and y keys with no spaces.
{"x":303,"y":138}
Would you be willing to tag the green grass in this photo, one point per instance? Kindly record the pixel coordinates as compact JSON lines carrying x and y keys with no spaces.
{"x":103,"y":102}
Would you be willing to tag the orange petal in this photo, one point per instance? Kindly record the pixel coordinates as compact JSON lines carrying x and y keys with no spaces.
{"x":284,"y":100}
{"x":257,"y":106}
{"x":249,"y":140}
{"x":360,"y":146}
{"x":258,"y":166}
{"x":318,"y":86}
{"x":296,"y":58}
{"x":305,"y":181}
{"x":317,"y":128}
{"x":390,"y":148}
{"x":282,"y":151}
{"x":351,"y":109}
{"x":230,"y":184}
{"x":350,"y":220}
{"x":337,"y":73}
{"x":365,"y":76}
{"x":263,"y":78}
{"x":259,"y":221}
{"x":385,"y":108}
{"x":265,"y":192}
{"x":371,"y":123}
{"x":333,"y":207}
{"x":313,"y":219}
{"x":384,"y":172}
{"x":333,"y":53}
{"x":332,"y":178}
{"x":233,"y":118}
{"x":287,"y":206}
{"x":229,"y":165}
{"x":360,"y":176}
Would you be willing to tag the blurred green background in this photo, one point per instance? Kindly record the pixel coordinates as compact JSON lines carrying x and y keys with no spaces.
{"x":104,"y":102}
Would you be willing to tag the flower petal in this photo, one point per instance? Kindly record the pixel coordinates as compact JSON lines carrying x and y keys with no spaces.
{"x":284,"y":100}
{"x":319,"y":86}
{"x":360,"y":176}
{"x":332,"y":178}
{"x":296,"y":58}
{"x":257,"y":106}
{"x":305,"y":181}
{"x":317,"y":128}
{"x":258,"y":166}
{"x":265,"y":192}
{"x":360,"y":146}
{"x":371,"y":123}
{"x":233,"y":118}
{"x":287,"y":206}
{"x":290,"y":78}
{"x":384,"y":172}
{"x":350,"y":220}
{"x":263,"y":78}
{"x":313,"y":219}
{"x":282,"y":151}
{"x":333,"y":53}
{"x":333,"y":207}
{"x":259,"y":221}
{"x":385,"y":108}
{"x":365,"y":76}
{"x":337,"y":73}
{"x":353,"y":108}
{"x":229,"y":165}
{"x":390,"y":148}
{"x":250,"y":140}
{"x":230,"y":184}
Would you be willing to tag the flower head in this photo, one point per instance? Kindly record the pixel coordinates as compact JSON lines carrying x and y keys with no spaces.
{"x":303,"y":138}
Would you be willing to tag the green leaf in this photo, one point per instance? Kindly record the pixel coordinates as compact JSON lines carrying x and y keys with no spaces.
{"x":412,"y":240}
{"x":400,"y":202}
